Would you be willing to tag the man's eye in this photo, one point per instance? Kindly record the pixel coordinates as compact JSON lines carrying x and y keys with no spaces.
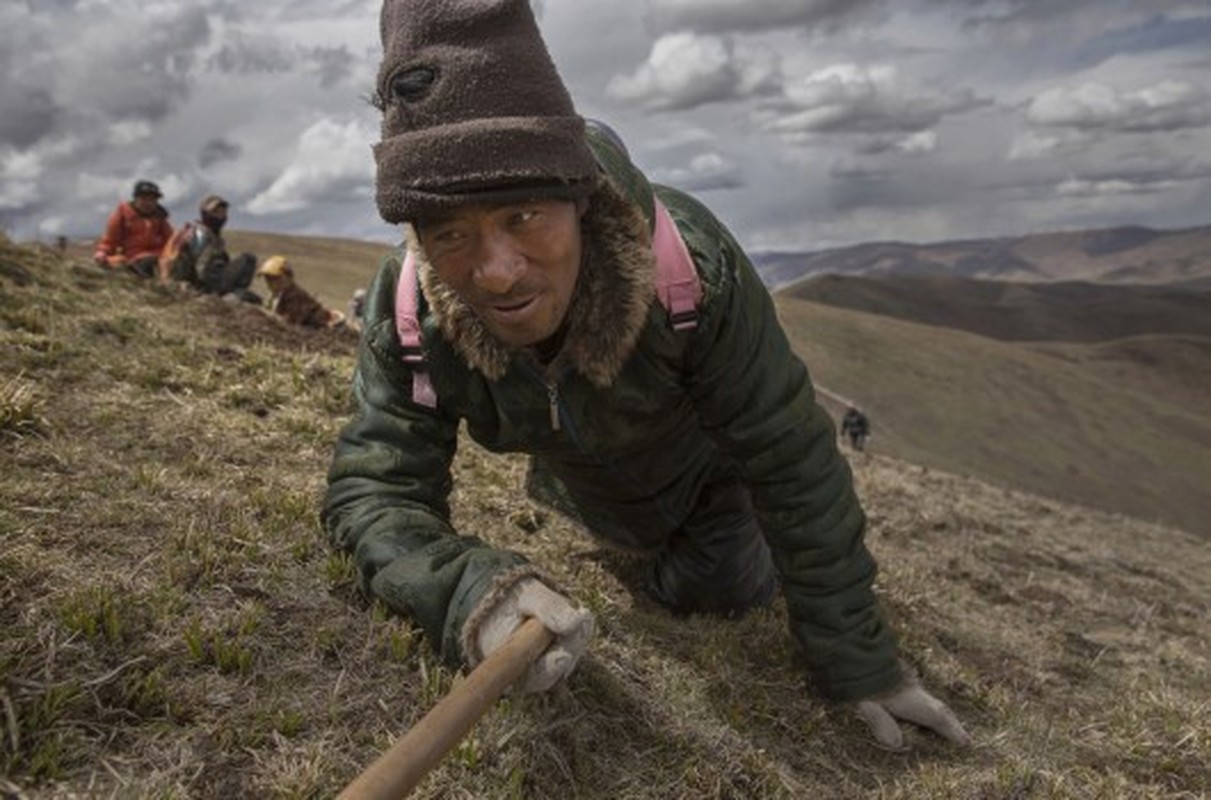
{"x":522,"y":216}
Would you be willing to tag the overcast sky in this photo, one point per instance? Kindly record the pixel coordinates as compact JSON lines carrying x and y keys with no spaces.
{"x":804,"y":123}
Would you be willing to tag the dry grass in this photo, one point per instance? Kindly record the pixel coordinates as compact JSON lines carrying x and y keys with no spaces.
{"x":172,"y":624}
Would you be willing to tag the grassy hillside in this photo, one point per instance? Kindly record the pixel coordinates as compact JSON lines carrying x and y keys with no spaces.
{"x":1120,"y":425}
{"x":1069,"y":312}
{"x":173,"y":625}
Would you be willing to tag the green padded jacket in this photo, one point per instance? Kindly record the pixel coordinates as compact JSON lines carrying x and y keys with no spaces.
{"x":646,"y":416}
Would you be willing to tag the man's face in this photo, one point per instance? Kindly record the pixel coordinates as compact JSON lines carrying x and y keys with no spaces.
{"x":145,"y":203}
{"x":516,"y":265}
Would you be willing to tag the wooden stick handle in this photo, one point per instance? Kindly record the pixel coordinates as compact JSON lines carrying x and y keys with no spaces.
{"x":397,"y":772}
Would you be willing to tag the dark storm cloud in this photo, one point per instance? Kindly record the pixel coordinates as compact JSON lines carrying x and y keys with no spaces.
{"x":333,"y":65}
{"x":26,"y":115}
{"x":267,"y":56}
{"x":216,"y":151}
{"x":244,"y":56}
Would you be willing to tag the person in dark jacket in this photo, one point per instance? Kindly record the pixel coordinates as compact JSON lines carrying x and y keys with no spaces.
{"x":135,"y":233}
{"x":292,"y":302}
{"x":528,"y":259}
{"x":856,"y":426}
{"x":197,"y":256}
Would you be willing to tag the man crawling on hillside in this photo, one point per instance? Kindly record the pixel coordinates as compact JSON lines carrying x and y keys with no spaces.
{"x":557,"y":303}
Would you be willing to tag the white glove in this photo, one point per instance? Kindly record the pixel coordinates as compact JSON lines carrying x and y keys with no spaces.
{"x":912,"y":703}
{"x":572,"y":627}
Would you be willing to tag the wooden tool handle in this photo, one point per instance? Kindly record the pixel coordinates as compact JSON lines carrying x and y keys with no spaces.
{"x":397,"y":772}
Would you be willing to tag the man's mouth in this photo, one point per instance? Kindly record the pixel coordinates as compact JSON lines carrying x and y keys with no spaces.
{"x":513,"y":308}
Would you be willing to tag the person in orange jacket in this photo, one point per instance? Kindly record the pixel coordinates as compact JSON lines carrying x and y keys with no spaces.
{"x":136,"y":232}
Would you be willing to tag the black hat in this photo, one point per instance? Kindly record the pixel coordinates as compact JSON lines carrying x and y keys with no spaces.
{"x":473,"y":110}
{"x":146,"y":187}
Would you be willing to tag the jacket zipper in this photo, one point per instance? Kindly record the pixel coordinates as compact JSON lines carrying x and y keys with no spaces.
{"x":553,"y":407}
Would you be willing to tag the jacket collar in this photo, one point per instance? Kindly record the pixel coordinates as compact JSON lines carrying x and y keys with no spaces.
{"x":609,"y":308}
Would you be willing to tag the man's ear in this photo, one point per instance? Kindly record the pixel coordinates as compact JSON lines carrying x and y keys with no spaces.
{"x":582,"y":207}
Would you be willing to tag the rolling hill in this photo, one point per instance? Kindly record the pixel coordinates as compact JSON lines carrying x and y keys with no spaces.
{"x":172,"y":623}
{"x":1121,"y":425}
{"x":1015,"y":311}
{"x":1130,"y":254}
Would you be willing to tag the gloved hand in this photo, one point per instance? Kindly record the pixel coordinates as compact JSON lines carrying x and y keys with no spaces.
{"x":572,"y":627}
{"x":909,"y":701}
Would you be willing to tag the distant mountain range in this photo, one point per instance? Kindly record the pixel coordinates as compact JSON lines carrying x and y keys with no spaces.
{"x":1068,"y":311}
{"x":1123,"y":255}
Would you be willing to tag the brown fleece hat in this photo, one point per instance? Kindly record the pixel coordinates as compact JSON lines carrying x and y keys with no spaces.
{"x":473,"y":110}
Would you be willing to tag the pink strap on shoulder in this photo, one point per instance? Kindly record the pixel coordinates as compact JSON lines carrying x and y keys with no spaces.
{"x":407,"y":327}
{"x":677,"y":284}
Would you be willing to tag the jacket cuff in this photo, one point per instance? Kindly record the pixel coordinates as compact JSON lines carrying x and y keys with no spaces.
{"x":496,"y":592}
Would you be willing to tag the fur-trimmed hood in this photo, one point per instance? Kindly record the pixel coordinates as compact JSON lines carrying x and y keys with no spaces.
{"x":613,"y":293}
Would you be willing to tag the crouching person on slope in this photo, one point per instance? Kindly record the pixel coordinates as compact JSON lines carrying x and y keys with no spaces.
{"x":531,"y":302}
{"x":291,"y":302}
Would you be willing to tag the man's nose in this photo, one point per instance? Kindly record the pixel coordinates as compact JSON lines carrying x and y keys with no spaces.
{"x":500,"y":264}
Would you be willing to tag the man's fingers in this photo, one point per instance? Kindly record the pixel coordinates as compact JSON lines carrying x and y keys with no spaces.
{"x":549,"y":669}
{"x":942,"y":721}
{"x":924,"y":709}
{"x":882,"y":724}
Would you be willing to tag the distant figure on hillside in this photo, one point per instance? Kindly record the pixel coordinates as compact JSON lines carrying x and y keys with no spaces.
{"x":292,"y":302}
{"x":547,"y":299}
{"x":357,"y":309}
{"x":135,"y":233}
{"x":197,"y":256}
{"x":856,"y":426}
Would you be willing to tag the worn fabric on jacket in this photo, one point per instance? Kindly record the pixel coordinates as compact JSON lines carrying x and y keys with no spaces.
{"x":130,"y":236}
{"x":647,"y":417}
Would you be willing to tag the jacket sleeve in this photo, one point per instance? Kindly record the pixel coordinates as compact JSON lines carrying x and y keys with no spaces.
{"x":755,"y":398}
{"x":111,"y":240}
{"x":388,"y":488}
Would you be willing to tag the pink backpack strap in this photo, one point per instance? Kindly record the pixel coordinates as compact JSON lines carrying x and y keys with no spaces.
{"x":407,"y":327}
{"x":677,"y":284}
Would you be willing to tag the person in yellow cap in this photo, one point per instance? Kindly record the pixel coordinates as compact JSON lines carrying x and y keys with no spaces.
{"x":292,"y":302}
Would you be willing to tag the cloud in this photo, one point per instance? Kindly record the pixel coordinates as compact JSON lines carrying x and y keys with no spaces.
{"x":216,"y":151}
{"x":914,"y":144}
{"x":686,"y":70}
{"x":333,"y":65}
{"x":1032,"y":145}
{"x":332,"y":162}
{"x":705,"y":172}
{"x":1078,"y":187}
{"x":19,"y":174}
{"x":27,"y":113}
{"x":1075,"y":20}
{"x":849,"y":98}
{"x":720,"y":16}
{"x":1166,"y":106}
